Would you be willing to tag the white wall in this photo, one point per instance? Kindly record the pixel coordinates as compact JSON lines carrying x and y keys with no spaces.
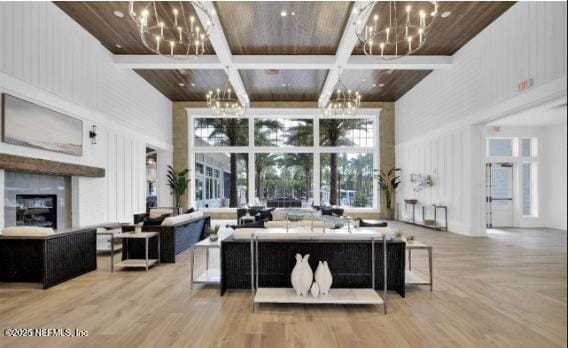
{"x":437,"y":121}
{"x":554,"y":145}
{"x":47,"y":58}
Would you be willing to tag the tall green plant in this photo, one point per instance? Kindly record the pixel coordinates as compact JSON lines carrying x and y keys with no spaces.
{"x":388,"y":183}
{"x":178,"y":182}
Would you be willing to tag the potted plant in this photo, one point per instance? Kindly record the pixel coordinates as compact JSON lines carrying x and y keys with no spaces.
{"x":178,"y":182}
{"x":388,"y":183}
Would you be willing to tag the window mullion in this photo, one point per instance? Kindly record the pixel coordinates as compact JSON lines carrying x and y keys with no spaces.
{"x":251,"y":162}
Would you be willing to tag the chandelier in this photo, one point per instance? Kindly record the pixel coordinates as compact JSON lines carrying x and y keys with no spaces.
{"x":342,"y":102}
{"x":224,"y":102}
{"x":393,"y":33}
{"x":169,"y":31}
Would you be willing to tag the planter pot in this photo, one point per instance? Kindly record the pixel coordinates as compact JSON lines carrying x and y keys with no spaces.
{"x":389,"y":214}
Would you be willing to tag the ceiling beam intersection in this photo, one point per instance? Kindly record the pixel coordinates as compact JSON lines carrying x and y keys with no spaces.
{"x":223,"y":51}
{"x":346,"y":45}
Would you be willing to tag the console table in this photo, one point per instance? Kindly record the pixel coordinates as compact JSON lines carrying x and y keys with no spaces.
{"x":336,"y":295}
{"x":411,"y":277}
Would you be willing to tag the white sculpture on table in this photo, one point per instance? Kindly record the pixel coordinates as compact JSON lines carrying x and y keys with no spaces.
{"x":307,"y":276}
{"x":323,"y":278}
{"x":296,"y":274}
{"x":302,"y":275}
{"x":315,"y":290}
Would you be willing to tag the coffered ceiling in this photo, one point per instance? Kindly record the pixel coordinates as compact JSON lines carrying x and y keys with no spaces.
{"x":284,"y":31}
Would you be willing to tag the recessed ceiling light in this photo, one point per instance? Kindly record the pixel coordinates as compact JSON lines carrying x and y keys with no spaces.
{"x":293,"y":13}
{"x":192,"y":84}
{"x":119,"y":14}
{"x":118,"y":46}
{"x":363,"y":80}
{"x":283,"y":13}
{"x":381,"y":85}
{"x":181,"y":84}
{"x":446,"y":14}
{"x":374,"y":85}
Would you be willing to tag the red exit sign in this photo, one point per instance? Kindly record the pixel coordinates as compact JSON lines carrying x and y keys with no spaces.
{"x":524,"y":85}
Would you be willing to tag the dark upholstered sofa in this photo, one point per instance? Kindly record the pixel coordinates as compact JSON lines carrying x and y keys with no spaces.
{"x":349,"y":262}
{"x":49,"y":260}
{"x":173,"y":239}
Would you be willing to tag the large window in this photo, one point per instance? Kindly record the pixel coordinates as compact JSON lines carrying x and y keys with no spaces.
{"x":298,"y":160}
{"x":213,"y":180}
{"x":353,"y":178}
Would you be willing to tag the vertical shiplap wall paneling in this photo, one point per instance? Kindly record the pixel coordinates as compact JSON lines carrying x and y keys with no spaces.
{"x":111,"y":177}
{"x":128,"y":177}
{"x":47,"y":57}
{"x":433,"y":119}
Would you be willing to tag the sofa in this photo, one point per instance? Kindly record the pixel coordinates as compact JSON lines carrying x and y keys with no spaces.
{"x":177,"y":234}
{"x":348,"y":260}
{"x":49,"y":259}
{"x":259,"y":213}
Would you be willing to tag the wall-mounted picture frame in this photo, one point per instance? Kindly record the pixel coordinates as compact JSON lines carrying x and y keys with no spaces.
{"x":27,"y":124}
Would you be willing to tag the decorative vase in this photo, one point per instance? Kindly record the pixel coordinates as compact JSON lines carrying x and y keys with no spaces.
{"x":296,"y":274}
{"x":324,"y":278}
{"x":315,"y":290}
{"x":306,"y":276}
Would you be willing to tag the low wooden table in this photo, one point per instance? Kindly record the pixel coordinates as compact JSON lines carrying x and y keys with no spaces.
{"x":144,"y":263}
{"x":411,"y":277}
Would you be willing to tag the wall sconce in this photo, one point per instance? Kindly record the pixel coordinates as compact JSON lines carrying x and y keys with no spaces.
{"x":93,"y":134}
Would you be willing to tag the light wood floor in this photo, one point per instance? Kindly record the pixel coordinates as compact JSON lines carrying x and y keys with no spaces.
{"x":505,"y":290}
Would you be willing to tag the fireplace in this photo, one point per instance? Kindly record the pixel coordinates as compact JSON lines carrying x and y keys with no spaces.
{"x":36,"y":210}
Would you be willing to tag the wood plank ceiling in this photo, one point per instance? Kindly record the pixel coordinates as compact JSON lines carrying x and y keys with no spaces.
{"x":309,"y":27}
{"x":283,"y":85}
{"x":119,"y":34}
{"x":258,"y":28}
{"x":449,"y":34}
{"x":184,"y":85}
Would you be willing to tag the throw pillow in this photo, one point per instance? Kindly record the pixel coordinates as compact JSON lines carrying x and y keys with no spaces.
{"x":149,"y":221}
{"x":189,"y":211}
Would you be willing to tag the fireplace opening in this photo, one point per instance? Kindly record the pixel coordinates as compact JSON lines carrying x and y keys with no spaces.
{"x":36,"y":210}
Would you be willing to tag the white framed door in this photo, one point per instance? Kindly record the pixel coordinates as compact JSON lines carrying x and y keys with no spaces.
{"x":500,"y":194}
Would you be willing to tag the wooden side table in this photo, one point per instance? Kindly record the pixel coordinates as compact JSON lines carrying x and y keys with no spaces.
{"x":411,"y":277}
{"x":210,"y":275}
{"x":144,"y":263}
